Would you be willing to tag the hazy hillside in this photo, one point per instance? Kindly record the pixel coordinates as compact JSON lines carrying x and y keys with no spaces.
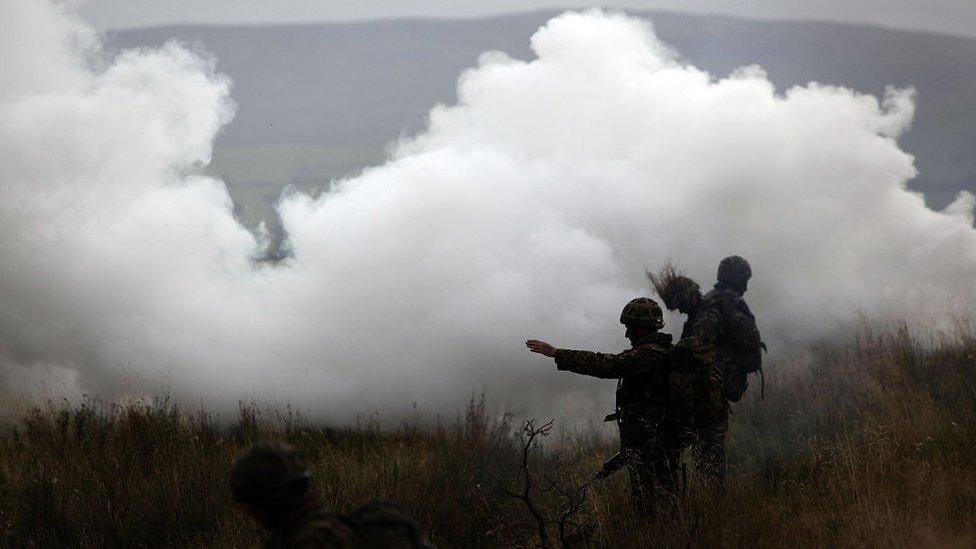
{"x":321,"y":101}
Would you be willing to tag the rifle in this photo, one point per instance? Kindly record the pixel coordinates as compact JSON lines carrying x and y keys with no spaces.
{"x":612,"y":465}
{"x":618,"y":461}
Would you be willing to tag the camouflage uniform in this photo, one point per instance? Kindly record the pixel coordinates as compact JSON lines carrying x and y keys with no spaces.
{"x":648,"y":431}
{"x":271,"y":480}
{"x":724,"y":318}
{"x":316,"y":527}
{"x":708,"y":449}
{"x":377,"y":524}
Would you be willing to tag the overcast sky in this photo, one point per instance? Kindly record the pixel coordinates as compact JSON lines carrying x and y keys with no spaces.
{"x":946,"y":16}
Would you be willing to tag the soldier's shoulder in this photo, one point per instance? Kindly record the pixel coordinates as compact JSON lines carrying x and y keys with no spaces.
{"x":658,"y":343}
{"x":695,"y":344}
{"x":720,"y":298}
{"x":720,"y":294}
{"x":647,"y":350}
{"x":712,"y":307}
{"x":386,"y":524}
{"x":322,"y":529}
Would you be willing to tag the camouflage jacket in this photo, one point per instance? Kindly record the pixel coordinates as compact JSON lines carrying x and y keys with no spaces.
{"x":642,"y":370}
{"x":706,"y":320}
{"x":316,"y":528}
{"x":377,"y":524}
{"x":724,"y":319}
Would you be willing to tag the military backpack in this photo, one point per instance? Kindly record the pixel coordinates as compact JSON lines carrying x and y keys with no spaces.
{"x":695,"y":384}
{"x":740,"y":346}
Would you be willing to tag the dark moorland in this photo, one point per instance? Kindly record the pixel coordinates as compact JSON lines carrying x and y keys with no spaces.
{"x":867,"y":443}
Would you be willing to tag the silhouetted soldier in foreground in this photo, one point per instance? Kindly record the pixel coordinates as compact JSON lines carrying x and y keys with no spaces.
{"x":649,"y":441}
{"x":271,"y":481}
{"x":723,"y":318}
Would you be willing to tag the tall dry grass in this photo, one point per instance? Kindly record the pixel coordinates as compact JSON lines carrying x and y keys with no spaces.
{"x":867,"y":443}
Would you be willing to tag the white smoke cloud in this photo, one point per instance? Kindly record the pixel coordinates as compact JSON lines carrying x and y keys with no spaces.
{"x":529,"y":209}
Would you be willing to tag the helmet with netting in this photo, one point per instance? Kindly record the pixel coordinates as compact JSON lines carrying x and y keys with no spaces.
{"x":642,"y":310}
{"x":673,"y":287}
{"x":734,"y":271}
{"x":269,"y":471}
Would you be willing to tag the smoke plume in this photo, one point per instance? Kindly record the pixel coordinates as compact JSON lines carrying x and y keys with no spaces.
{"x":529,"y":209}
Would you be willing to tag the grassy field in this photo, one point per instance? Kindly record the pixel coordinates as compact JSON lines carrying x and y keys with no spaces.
{"x":866,"y":443}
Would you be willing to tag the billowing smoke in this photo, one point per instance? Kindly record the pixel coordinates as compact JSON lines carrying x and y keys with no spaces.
{"x":529,"y":209}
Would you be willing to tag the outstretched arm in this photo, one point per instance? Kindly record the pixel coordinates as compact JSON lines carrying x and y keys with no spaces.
{"x":601,"y":365}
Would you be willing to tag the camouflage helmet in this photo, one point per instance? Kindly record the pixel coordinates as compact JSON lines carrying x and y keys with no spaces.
{"x":642,"y":310}
{"x":269,"y":471}
{"x":734,"y":271}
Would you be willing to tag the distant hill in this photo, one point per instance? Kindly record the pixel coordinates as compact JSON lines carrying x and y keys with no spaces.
{"x":322,"y":101}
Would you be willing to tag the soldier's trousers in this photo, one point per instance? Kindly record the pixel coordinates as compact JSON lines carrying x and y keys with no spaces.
{"x":708,"y":452}
{"x":653,"y":471}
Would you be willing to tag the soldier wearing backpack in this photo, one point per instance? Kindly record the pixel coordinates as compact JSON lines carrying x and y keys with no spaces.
{"x":723,"y":318}
{"x":272,"y":483}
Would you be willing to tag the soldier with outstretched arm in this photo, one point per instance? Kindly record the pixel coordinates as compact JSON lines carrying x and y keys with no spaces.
{"x":649,"y":439}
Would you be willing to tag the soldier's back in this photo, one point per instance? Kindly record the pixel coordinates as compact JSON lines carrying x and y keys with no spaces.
{"x":712,"y":320}
{"x":726,"y":320}
{"x":647,"y":392}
